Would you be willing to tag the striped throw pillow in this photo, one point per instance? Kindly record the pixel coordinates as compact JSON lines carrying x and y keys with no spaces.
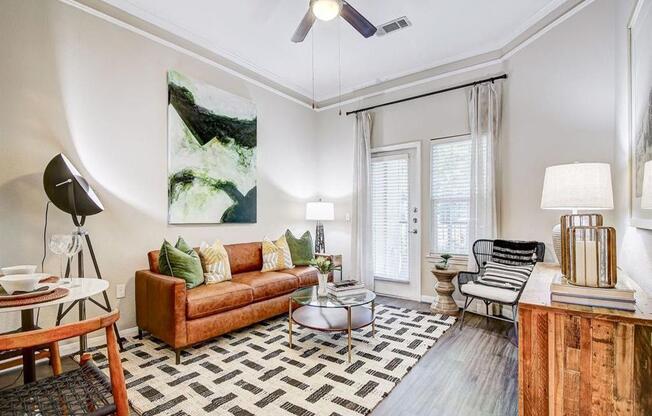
{"x":514,"y":252}
{"x":505,"y":276}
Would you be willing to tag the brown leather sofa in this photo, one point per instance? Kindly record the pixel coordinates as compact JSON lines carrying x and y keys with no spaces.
{"x":182,"y":317}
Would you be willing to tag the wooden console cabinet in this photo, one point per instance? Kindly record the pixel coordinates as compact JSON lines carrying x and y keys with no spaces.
{"x":580,"y":360}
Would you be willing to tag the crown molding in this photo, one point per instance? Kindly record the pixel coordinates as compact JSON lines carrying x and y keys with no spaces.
{"x":544,"y":20}
{"x":480,"y":59}
{"x":118,"y":17}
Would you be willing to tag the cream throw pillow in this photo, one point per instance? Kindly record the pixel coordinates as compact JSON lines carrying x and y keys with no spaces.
{"x":273,"y":258}
{"x":215,"y":261}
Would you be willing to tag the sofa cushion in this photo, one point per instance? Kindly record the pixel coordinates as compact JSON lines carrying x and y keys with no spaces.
{"x":267,"y":285}
{"x":246,"y":257}
{"x":307,"y":275}
{"x":487,"y":292}
{"x":208,"y":300}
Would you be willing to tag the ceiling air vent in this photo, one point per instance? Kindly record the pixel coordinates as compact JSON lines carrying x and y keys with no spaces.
{"x":393,"y":26}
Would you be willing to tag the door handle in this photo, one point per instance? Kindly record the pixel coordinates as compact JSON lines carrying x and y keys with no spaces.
{"x":415,"y":231}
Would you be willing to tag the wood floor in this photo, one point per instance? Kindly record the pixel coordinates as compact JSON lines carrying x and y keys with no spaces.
{"x":472,"y":372}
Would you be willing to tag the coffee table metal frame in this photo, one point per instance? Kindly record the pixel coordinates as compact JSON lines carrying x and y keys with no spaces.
{"x":357,"y":316}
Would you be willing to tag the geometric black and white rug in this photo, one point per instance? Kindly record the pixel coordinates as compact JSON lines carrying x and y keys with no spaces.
{"x":253,"y":372}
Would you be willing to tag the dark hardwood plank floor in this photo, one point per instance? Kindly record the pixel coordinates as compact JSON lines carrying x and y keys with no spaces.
{"x":472,"y":372}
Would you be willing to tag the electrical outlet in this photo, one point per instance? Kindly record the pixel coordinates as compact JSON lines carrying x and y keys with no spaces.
{"x":120,"y":291}
{"x":347,"y":217}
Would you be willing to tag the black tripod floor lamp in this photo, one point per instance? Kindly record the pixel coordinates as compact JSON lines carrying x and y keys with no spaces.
{"x":71,"y":193}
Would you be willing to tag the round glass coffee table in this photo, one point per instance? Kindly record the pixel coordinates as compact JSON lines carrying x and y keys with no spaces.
{"x":330,"y":313}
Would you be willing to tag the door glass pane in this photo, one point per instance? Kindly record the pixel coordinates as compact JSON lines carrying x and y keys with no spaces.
{"x":390,"y":200}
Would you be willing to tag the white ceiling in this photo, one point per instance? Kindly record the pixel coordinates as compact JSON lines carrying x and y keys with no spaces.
{"x":256,"y":34}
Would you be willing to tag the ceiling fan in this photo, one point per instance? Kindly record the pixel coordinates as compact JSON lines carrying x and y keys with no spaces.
{"x":329,"y":9}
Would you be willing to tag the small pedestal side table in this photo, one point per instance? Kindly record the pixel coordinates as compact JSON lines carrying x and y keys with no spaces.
{"x":444,"y":302}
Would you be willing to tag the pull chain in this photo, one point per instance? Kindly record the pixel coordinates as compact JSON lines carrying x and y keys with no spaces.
{"x":339,"y":57}
{"x":312,"y":36}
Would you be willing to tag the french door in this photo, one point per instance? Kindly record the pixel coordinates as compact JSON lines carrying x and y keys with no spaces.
{"x":395,"y":202}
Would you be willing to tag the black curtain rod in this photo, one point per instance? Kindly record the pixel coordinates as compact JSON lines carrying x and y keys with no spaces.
{"x":470,"y":84}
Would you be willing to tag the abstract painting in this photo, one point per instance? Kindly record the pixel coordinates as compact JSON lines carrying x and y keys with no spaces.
{"x":640,"y":35}
{"x":211,"y":154}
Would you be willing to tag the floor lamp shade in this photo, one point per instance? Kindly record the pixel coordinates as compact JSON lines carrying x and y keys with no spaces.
{"x":59,"y":176}
{"x":320,"y":211}
{"x":646,"y":196}
{"x":576,"y":186}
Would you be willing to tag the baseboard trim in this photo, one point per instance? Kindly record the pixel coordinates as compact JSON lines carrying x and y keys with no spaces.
{"x":431,"y":299}
{"x":476,"y":307}
{"x":70,"y":348}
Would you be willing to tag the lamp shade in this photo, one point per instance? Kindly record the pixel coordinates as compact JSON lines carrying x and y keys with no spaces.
{"x":577,"y":186}
{"x":59,"y":175}
{"x":646,"y":196}
{"x":320,"y":211}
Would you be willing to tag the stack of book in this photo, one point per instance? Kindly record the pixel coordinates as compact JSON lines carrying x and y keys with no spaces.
{"x":620,"y":297}
{"x":346,"y":288}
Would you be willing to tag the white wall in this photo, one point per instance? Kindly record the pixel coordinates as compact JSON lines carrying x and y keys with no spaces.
{"x":558,"y":108}
{"x":635,"y":245}
{"x":72,"y":82}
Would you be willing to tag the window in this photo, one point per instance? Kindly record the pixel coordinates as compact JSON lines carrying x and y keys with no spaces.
{"x":450,"y":188}
{"x":390,"y":199}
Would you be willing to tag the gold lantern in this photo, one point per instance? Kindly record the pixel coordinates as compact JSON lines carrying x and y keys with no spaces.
{"x":593,"y":256}
{"x":573,"y":220}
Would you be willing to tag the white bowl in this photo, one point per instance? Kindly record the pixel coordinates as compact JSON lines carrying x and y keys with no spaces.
{"x":20,"y":282}
{"x":22,"y":269}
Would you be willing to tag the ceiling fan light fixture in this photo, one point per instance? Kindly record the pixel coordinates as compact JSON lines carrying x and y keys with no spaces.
{"x":326,"y":10}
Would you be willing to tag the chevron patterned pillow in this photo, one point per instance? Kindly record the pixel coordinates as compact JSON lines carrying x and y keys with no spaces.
{"x":215,"y":261}
{"x":273,"y":256}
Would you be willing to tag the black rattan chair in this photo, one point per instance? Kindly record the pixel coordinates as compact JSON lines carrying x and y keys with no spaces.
{"x":482,"y":251}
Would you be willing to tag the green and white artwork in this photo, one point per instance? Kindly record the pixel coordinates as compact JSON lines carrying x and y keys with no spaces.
{"x":211,"y":154}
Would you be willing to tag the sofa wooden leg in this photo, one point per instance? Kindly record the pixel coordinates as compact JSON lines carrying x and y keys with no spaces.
{"x":177,"y":352}
{"x":140,"y":334}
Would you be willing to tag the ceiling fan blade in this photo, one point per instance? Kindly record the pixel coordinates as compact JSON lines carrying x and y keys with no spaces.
{"x":358,"y":21}
{"x":304,"y":27}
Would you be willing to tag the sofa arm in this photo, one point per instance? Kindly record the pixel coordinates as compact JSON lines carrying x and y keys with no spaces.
{"x":161,"y":306}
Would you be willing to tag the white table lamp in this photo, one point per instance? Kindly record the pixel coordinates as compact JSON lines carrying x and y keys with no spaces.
{"x":576,"y":186}
{"x":320,"y":211}
{"x":646,"y":196}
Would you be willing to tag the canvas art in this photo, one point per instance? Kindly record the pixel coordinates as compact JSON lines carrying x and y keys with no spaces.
{"x":641,"y":106}
{"x":211,"y":154}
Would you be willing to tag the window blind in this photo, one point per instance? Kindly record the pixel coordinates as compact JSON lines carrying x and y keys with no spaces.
{"x":390,"y":216}
{"x":450,"y":179}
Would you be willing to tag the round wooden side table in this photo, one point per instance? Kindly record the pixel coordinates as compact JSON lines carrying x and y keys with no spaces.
{"x":444,"y":302}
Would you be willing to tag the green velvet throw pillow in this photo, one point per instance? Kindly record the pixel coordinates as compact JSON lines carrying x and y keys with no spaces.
{"x":301,"y":249}
{"x":182,"y":262}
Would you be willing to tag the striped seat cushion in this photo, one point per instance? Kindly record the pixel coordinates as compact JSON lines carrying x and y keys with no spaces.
{"x":505,"y":276}
{"x":514,"y":252}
